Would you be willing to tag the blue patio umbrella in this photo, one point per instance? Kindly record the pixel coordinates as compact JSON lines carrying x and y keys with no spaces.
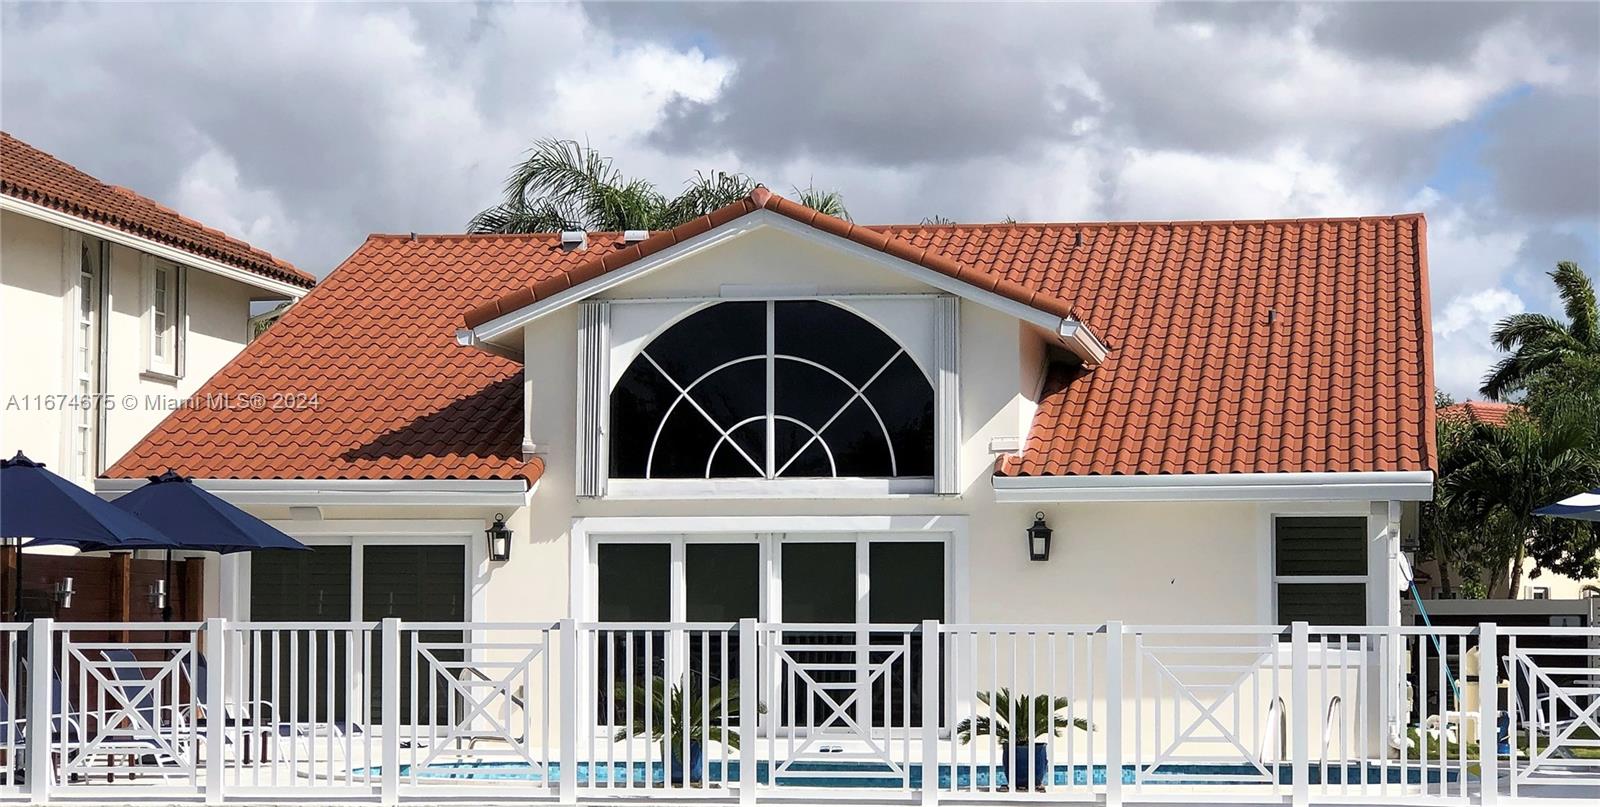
{"x":198,"y":520}
{"x":39,"y":508}
{"x":1584,"y":507}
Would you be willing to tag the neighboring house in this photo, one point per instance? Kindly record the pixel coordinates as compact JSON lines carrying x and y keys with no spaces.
{"x":115,"y":307}
{"x":1548,"y":585}
{"x":1493,"y":413}
{"x":773,"y":413}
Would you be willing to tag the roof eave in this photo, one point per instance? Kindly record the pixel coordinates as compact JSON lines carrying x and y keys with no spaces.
{"x":1315,"y":486}
{"x":149,"y":246}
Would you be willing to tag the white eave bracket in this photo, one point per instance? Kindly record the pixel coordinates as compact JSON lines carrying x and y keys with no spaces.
{"x":1414,"y":486}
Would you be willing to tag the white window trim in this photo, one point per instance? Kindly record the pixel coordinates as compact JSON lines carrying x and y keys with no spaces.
{"x":1270,"y":577}
{"x":170,"y":366}
{"x":595,"y":380}
{"x":72,"y":246}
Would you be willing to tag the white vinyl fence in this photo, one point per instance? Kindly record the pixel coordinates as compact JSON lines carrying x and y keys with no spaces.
{"x":567,"y":711}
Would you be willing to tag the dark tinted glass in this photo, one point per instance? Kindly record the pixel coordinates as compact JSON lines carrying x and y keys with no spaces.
{"x":710,"y":337}
{"x":813,"y":454}
{"x":634,"y":582}
{"x":638,"y":403}
{"x":722,"y":581}
{"x":857,"y":443}
{"x":819,"y":582}
{"x":425,"y":583}
{"x":296,"y":586}
{"x":719,"y":355}
{"x":1321,"y":545}
{"x":684,"y":446}
{"x":904,"y":399}
{"x":832,"y":337}
{"x":1322,"y":603}
{"x":733,"y":394}
{"x":806,"y":393}
{"x":907,"y":581}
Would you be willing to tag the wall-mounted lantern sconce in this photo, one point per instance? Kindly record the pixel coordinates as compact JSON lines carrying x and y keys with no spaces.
{"x":63,"y":592}
{"x":499,"y":539}
{"x":1039,"y":538}
{"x":158,"y":595}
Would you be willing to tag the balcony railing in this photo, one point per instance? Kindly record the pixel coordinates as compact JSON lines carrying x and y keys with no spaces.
{"x":748,"y":712}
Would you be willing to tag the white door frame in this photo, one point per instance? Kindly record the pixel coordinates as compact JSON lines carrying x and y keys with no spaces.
{"x":588,"y":532}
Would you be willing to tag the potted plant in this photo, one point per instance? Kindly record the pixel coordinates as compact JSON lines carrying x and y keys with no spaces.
{"x":1024,"y":757}
{"x":666,"y":710}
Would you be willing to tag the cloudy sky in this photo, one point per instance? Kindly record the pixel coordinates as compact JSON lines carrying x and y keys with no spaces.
{"x":304,"y":127}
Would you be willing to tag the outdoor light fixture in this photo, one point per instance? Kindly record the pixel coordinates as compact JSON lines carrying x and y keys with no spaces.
{"x":499,"y":539}
{"x":1039,"y":538}
{"x":158,"y":595}
{"x":64,"y":592}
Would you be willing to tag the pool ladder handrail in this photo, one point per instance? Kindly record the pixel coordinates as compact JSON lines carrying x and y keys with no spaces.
{"x":1281,"y":709}
{"x":1327,"y":724}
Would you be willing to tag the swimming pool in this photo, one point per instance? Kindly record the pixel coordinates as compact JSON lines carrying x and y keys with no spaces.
{"x":967,"y":777}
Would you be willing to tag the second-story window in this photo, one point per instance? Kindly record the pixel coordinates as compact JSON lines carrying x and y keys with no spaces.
{"x":769,"y":390}
{"x":163,"y":318}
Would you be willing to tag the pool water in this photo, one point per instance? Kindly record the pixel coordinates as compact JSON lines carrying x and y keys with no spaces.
{"x":967,"y":777}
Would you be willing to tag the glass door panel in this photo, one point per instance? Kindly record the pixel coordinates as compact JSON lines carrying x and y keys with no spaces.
{"x":907,"y":586}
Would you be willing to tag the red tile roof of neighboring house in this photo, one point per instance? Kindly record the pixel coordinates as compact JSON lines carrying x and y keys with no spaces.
{"x":1296,"y":345}
{"x":1491,"y":412}
{"x":31,"y":175}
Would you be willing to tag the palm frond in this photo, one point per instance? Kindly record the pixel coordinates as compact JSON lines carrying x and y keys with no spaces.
{"x":705,"y":193}
{"x":1578,"y":302}
{"x":829,"y":202}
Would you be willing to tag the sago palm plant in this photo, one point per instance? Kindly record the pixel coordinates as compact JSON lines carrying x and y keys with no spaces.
{"x":666,"y":709}
{"x":1007,"y":714}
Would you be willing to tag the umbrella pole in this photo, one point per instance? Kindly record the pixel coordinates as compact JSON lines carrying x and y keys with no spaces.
{"x":16,"y":593}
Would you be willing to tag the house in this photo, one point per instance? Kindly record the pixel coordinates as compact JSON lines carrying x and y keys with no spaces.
{"x":772,"y":413}
{"x":116,"y":309}
{"x":1491,"y":412}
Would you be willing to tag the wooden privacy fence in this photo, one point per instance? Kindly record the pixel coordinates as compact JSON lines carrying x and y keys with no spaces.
{"x":113,"y":587}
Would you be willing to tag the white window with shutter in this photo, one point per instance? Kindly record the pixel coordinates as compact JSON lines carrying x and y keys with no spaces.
{"x":163,"y":318}
{"x":1320,"y":569}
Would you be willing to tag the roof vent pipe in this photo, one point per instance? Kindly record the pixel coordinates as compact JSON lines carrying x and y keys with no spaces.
{"x":574,"y":239}
{"x":634,"y":236}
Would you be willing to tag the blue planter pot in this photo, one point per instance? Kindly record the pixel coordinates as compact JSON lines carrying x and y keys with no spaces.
{"x":1027,"y":765}
{"x":697,"y":761}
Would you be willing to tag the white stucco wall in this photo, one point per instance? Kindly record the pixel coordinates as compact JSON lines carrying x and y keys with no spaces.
{"x":37,"y":290}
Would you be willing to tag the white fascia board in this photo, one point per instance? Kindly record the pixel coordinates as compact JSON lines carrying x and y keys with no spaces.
{"x":505,"y":324}
{"x":1411,"y":486}
{"x":151,"y":247}
{"x":384,"y":492}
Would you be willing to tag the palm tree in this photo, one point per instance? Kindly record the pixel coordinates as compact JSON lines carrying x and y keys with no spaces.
{"x":1508,"y":471}
{"x":1539,"y":342}
{"x":566,"y":185}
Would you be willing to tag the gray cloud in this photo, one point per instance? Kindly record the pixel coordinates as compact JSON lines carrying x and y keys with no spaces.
{"x":1543,"y":155}
{"x":312,"y":125}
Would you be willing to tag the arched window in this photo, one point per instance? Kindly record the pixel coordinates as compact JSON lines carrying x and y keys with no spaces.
{"x":777,"y":389}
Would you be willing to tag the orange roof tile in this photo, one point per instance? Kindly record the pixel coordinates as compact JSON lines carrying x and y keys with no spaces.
{"x":1236,"y":346}
{"x":1296,"y":345}
{"x":31,"y":175}
{"x":1491,"y":412}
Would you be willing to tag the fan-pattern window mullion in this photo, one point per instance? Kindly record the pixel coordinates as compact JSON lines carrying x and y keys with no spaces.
{"x":772,"y":389}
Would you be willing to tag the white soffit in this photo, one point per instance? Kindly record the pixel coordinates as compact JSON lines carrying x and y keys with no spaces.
{"x":1413,"y":486}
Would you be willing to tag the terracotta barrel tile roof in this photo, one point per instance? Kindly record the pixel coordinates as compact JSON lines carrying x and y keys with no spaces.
{"x":1296,"y":345}
{"x":397,"y":398}
{"x":31,"y":175}
{"x":1491,"y":412}
{"x":1236,"y":347}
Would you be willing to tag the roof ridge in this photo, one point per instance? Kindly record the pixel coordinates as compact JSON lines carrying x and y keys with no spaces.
{"x":1000,"y":225}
